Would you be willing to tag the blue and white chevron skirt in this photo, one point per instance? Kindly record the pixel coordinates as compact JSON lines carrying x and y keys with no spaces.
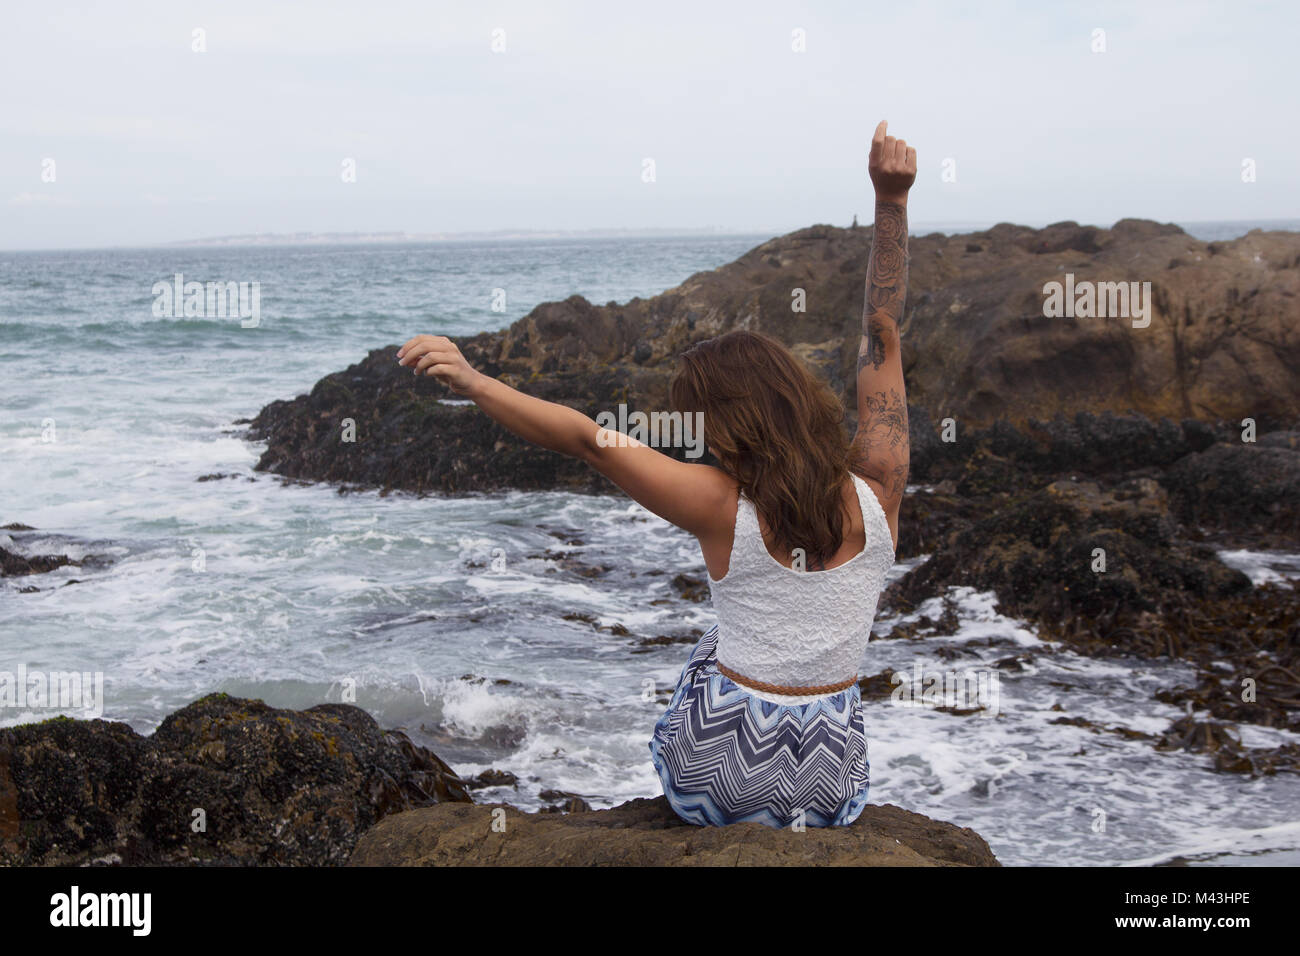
{"x":725,"y":756}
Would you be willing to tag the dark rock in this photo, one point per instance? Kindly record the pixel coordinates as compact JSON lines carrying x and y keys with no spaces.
{"x":275,"y":786}
{"x":1246,"y":650}
{"x":1281,"y":439}
{"x":879,"y":686}
{"x":12,"y":565}
{"x":1246,"y":489}
{"x":690,"y":587}
{"x":492,"y":778}
{"x":1037,"y":553}
{"x":1008,"y":457}
{"x":568,"y":802}
{"x":662,"y":640}
{"x":1211,"y":737}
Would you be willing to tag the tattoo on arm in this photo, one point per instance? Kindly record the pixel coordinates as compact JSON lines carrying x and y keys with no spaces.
{"x":886,"y":282}
{"x":882,"y":435}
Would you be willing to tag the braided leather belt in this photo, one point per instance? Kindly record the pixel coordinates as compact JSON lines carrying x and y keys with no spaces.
{"x":782,"y":688}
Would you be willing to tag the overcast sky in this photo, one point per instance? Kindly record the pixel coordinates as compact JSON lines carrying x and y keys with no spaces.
{"x":153,"y":142}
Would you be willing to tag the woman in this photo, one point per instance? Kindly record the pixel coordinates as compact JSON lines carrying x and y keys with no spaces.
{"x":797,"y":527}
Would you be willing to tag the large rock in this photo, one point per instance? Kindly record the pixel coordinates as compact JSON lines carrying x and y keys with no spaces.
{"x":977,"y":349}
{"x":648,"y":833}
{"x":275,"y":786}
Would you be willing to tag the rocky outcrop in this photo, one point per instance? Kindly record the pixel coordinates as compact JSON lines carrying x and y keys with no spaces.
{"x":222,"y":781}
{"x":1073,"y":551}
{"x":1221,"y":346}
{"x":648,"y":833}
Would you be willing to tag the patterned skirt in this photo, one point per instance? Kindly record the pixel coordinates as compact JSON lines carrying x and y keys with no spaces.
{"x":725,"y":756}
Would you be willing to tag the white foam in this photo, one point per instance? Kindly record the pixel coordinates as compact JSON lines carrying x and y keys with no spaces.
{"x":1263,"y":567}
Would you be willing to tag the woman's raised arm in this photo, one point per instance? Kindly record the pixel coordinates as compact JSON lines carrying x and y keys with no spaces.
{"x":881,"y":450}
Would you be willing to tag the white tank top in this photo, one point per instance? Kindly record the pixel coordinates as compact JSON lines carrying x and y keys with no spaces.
{"x":799,"y":628}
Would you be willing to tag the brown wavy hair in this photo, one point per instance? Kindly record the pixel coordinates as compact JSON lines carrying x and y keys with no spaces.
{"x":775,"y":428}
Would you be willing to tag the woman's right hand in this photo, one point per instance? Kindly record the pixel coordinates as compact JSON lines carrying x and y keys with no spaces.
{"x":891,"y":166}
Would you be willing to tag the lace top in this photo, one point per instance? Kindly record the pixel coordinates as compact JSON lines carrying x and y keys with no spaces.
{"x":799,"y":628}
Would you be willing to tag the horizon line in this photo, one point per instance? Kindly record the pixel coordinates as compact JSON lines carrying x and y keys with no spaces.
{"x":396,"y":237}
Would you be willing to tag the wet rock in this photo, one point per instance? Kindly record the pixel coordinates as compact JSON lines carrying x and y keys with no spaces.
{"x":1040,"y":554}
{"x":567,"y":802}
{"x":1211,"y":737}
{"x":1251,"y":491}
{"x":648,"y":833}
{"x":273,"y":786}
{"x":1246,"y":650}
{"x":879,"y":686}
{"x":13,"y":565}
{"x":1126,"y":732}
{"x":663,"y":640}
{"x":492,"y":778}
{"x":690,"y":587}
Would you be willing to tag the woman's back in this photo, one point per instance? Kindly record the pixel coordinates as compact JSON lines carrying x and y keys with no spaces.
{"x":765,"y":723}
{"x":790,"y":635}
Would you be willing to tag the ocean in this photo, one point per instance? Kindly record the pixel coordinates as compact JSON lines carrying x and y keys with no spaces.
{"x":109,"y":415}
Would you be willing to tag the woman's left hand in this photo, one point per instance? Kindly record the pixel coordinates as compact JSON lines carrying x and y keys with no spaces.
{"x":438,"y":356}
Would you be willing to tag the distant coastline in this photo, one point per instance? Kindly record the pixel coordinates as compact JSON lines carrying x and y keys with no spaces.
{"x":403,"y":238}
{"x":1206,"y":230}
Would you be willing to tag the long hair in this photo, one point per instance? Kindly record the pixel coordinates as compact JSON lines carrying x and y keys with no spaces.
{"x":775,"y":428}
